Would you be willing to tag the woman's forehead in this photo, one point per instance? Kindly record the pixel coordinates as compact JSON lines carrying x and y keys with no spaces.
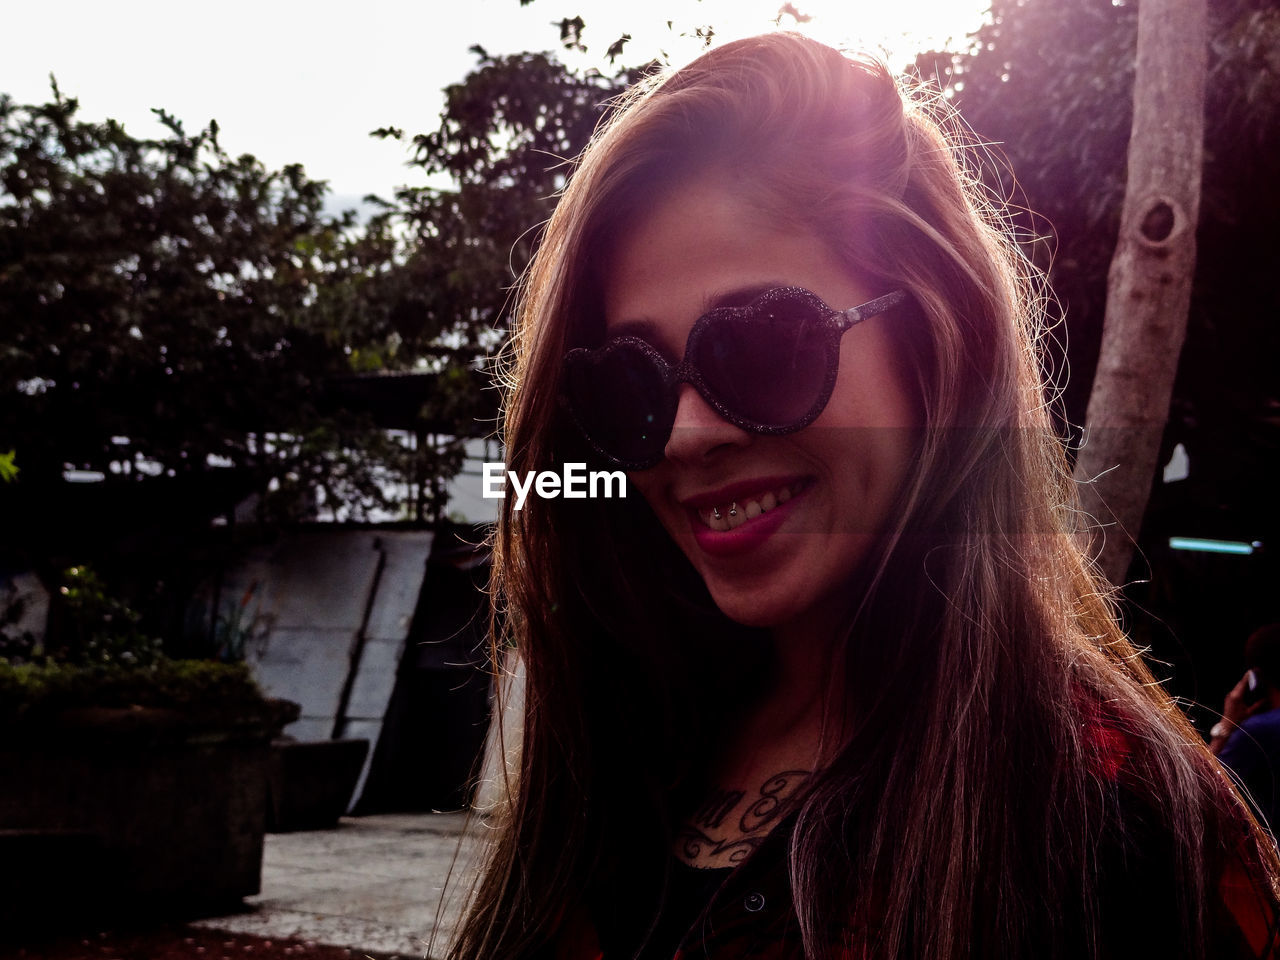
{"x":701,"y":246}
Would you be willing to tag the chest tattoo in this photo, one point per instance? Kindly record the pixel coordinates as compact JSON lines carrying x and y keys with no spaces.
{"x":730,"y":824}
{"x":718,"y":805}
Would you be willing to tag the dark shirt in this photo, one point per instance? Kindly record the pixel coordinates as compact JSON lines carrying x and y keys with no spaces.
{"x":748,"y":913}
{"x":689,"y":893}
{"x":1251,"y":754}
{"x":724,"y":914}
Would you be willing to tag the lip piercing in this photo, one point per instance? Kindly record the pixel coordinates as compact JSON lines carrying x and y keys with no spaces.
{"x":733,"y":509}
{"x":715,"y":512}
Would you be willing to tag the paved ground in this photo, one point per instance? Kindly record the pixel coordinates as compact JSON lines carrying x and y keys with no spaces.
{"x":373,"y":883}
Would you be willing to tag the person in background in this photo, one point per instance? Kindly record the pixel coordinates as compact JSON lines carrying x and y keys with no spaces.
{"x":1247,"y":738}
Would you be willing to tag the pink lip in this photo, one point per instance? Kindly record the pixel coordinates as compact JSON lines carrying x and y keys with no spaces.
{"x":743,"y":539}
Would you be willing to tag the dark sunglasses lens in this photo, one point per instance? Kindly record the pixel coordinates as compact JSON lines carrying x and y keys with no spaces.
{"x":769,"y":367}
{"x":619,"y":397}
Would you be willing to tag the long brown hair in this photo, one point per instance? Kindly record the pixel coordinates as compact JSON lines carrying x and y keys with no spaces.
{"x":981,"y":775}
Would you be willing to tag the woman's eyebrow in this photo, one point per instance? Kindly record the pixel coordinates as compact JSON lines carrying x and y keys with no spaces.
{"x":642,"y":327}
{"x":651,"y":332}
{"x":647,"y":329}
{"x":739,"y":296}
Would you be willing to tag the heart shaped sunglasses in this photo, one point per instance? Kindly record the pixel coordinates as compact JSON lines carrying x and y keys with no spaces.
{"x":768,"y":367}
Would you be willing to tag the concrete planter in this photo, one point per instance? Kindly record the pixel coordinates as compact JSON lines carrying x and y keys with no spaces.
{"x":119,"y":812}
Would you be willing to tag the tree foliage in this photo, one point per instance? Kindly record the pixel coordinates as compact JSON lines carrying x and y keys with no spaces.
{"x":505,"y":137}
{"x":169,"y":310}
{"x":502,"y":146}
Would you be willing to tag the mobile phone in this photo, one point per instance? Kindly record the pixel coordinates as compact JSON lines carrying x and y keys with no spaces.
{"x":1254,"y":689}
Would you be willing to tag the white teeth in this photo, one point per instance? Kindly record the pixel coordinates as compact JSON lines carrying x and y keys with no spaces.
{"x":710,"y":518}
{"x":730,"y":516}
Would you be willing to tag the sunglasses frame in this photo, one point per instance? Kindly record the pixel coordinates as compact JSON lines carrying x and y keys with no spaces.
{"x":837,"y":324}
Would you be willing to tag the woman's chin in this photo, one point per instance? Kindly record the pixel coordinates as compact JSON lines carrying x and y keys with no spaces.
{"x":756,"y":610}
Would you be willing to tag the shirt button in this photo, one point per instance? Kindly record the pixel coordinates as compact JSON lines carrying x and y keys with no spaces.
{"x":753,"y":902}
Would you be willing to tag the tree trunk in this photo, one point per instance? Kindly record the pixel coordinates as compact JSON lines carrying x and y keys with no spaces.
{"x":1149,"y":285}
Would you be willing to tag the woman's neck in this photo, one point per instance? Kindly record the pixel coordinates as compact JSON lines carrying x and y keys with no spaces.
{"x":806,"y":697}
{"x":800,"y":719}
{"x":768,"y":754}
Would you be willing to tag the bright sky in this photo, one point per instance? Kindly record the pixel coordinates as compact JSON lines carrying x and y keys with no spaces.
{"x":305,"y":82}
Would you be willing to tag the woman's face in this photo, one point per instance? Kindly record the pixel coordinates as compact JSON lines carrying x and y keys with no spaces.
{"x":809,"y":505}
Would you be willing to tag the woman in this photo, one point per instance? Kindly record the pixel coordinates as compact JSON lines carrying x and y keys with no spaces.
{"x":839,"y":681}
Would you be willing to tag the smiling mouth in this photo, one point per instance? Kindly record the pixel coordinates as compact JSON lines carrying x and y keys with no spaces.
{"x":733,"y":514}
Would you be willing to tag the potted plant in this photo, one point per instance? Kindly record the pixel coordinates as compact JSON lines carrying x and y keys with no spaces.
{"x":132,"y":782}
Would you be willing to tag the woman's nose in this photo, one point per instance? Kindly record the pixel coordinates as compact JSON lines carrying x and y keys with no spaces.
{"x":699,"y":430}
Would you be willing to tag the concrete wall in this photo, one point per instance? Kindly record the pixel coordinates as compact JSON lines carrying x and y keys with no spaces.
{"x":327,"y":612}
